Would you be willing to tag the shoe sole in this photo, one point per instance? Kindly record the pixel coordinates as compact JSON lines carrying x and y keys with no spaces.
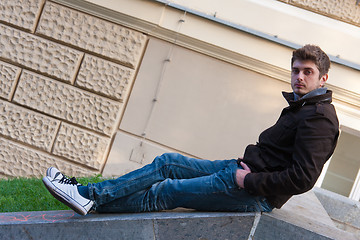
{"x":62,"y":197}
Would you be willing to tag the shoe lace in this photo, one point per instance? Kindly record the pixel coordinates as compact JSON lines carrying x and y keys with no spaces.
{"x":71,"y":181}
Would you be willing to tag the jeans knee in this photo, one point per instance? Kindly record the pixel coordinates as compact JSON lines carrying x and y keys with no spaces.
{"x":161,"y":160}
{"x":166,"y":159}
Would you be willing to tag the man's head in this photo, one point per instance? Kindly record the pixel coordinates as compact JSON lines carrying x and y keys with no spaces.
{"x":309,"y":69}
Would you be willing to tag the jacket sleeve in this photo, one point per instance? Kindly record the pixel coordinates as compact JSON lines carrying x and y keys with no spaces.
{"x":315,"y":141}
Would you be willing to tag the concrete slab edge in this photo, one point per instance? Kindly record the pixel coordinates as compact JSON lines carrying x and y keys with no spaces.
{"x":159,"y":225}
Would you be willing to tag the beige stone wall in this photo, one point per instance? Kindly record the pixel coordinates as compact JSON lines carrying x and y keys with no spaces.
{"x":343,"y":10}
{"x":65,"y":77}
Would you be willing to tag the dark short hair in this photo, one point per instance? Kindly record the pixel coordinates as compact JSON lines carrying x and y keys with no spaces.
{"x":315,"y":54}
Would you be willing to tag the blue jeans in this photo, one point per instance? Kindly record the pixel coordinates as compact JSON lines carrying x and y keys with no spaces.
{"x":173,"y":180}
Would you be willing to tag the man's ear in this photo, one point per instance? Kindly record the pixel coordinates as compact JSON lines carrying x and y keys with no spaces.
{"x":323,"y":79}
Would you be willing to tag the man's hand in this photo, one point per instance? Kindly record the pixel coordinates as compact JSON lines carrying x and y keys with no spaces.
{"x":241,"y":173}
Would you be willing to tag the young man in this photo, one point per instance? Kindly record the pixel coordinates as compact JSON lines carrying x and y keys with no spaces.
{"x":287,"y":160}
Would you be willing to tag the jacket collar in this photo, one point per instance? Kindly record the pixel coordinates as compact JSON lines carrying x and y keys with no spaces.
{"x":324,"y":98}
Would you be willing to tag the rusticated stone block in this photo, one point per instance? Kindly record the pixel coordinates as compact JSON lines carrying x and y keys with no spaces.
{"x":39,"y":54}
{"x":26,"y":126}
{"x":8,"y":77}
{"x":104,"y":77}
{"x":67,"y":102}
{"x":344,"y":10}
{"x":81,"y":146}
{"x":22,"y":13}
{"x":19,"y":161}
{"x":93,"y":34}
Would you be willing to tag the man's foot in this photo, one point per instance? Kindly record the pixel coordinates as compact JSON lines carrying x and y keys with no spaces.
{"x":65,"y":190}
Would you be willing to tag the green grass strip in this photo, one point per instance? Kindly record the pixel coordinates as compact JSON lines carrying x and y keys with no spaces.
{"x":30,"y":194}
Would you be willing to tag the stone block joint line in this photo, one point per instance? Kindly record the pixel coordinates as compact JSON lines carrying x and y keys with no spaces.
{"x":255,"y":224}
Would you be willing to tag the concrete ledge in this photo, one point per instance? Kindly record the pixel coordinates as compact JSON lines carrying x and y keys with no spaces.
{"x":302,"y":217}
{"x":162,"y":225}
{"x":343,"y":211}
{"x":282,"y":225}
{"x":172,"y":225}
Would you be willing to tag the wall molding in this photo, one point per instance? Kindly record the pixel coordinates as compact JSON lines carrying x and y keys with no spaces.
{"x":345,"y":96}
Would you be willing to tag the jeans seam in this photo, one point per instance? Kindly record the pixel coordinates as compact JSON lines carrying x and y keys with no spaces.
{"x":189,"y":168}
{"x":155,"y":170}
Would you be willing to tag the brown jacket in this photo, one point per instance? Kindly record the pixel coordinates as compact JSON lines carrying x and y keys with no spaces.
{"x":290,"y":155}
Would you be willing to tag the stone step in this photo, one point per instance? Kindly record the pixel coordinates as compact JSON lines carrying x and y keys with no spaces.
{"x":171,"y":225}
{"x":302,"y":217}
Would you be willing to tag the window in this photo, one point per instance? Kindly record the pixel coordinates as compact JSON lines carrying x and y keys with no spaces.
{"x":343,"y":173}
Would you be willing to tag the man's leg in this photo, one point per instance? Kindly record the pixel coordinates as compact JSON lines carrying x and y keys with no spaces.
{"x":214,"y":192}
{"x":167,"y":166}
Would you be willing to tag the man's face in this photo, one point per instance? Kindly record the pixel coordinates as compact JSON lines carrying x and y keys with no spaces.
{"x":305,"y":77}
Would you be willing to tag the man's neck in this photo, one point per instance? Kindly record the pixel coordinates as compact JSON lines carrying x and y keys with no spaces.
{"x":313,"y":93}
